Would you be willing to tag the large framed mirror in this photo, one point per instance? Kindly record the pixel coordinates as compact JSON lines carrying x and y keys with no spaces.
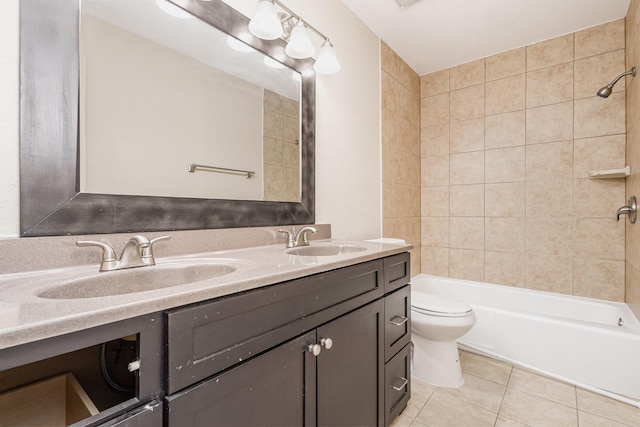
{"x":70,"y":129}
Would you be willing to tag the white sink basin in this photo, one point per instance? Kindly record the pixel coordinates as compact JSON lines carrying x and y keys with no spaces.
{"x":138,"y":279}
{"x":326,"y":250}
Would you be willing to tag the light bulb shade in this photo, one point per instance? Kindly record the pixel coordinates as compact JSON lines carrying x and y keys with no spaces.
{"x":300,"y":46}
{"x":327,"y":63}
{"x":265,"y":23}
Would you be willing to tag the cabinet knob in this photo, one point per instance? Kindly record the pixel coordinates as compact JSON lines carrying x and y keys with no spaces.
{"x":327,"y":342}
{"x":314,"y":349}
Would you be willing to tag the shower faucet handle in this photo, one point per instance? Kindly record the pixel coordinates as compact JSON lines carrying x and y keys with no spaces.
{"x":631,"y":210}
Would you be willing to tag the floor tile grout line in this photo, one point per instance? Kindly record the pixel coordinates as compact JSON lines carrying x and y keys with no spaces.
{"x":453,"y":395}
{"x":506,"y":388}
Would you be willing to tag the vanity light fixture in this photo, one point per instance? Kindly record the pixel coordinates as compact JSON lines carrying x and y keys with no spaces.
{"x":269,"y":24}
{"x":265,"y":23}
{"x":327,"y":63}
{"x":300,"y":46}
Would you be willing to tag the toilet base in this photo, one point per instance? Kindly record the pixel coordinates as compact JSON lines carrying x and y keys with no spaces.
{"x":436,"y":362}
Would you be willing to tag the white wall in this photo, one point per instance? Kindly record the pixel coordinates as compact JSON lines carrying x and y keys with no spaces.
{"x":9,"y":88}
{"x":348,"y":172}
{"x":190,"y":115}
{"x":348,"y":161}
{"x":348,"y":184}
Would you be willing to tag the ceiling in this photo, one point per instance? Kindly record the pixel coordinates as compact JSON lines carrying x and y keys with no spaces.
{"x":433,"y":35}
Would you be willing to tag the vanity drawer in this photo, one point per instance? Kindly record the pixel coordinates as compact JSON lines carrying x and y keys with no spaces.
{"x":397,"y":270}
{"x":206,"y":338}
{"x":397,"y":391}
{"x":397,"y":314}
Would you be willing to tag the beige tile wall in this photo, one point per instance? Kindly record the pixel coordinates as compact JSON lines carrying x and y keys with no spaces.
{"x":401,"y":152}
{"x":507,"y":143}
{"x":633,"y":155}
{"x":281,"y":148}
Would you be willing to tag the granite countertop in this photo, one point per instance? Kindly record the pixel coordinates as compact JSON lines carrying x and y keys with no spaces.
{"x":26,"y":316}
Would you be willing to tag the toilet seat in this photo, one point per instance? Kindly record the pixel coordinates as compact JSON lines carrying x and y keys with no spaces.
{"x":439,"y":305}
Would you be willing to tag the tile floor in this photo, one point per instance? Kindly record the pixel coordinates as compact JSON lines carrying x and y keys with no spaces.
{"x":499,"y":394}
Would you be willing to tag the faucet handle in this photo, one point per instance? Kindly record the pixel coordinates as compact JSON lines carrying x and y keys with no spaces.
{"x":290,"y":238}
{"x":146,"y":252}
{"x":631,"y":210}
{"x":108,"y":254}
{"x":157,"y":239}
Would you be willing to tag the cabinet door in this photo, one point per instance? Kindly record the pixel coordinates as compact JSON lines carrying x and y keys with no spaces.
{"x":277,"y":388}
{"x":351,"y":372}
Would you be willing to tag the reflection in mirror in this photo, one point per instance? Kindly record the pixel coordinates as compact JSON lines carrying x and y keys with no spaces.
{"x":160,"y":90}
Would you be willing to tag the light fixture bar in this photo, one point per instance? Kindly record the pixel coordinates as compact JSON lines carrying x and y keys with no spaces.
{"x":269,"y":24}
{"x":295,"y":15}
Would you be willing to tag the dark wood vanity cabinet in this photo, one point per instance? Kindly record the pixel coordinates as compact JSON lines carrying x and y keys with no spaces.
{"x":312,"y":351}
{"x":323,"y":350}
{"x":79,"y":354}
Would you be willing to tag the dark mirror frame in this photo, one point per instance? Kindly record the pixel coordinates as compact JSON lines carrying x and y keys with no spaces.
{"x":50,"y":200}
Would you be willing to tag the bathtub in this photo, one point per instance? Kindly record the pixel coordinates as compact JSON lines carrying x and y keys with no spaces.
{"x":590,"y":343}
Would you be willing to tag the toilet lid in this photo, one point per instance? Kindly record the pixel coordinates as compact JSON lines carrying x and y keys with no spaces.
{"x":439,"y":305}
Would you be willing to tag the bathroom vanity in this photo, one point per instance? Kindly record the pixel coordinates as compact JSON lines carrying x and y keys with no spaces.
{"x":281,"y":340}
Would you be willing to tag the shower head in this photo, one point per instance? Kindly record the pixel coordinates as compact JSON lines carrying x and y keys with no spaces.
{"x":606,"y":91}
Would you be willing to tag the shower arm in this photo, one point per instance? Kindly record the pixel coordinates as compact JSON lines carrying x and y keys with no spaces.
{"x":632,"y":71}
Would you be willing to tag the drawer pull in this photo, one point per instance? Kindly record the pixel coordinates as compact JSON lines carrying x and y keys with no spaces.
{"x":398,"y":320}
{"x":400,"y":387}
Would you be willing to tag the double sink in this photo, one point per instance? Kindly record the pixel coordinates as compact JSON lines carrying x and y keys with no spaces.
{"x":172,"y":272}
{"x":44,"y":303}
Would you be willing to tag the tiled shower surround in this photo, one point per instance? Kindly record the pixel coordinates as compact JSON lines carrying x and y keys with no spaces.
{"x":401,"y":152}
{"x":281,"y":148}
{"x":506,"y":145}
{"x":633,"y":156}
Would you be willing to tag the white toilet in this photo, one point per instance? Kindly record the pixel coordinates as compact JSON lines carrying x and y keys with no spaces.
{"x":436,"y":322}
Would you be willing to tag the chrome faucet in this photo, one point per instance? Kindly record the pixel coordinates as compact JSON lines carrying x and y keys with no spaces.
{"x":137,"y":252}
{"x":293,"y":238}
{"x":631,"y":210}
